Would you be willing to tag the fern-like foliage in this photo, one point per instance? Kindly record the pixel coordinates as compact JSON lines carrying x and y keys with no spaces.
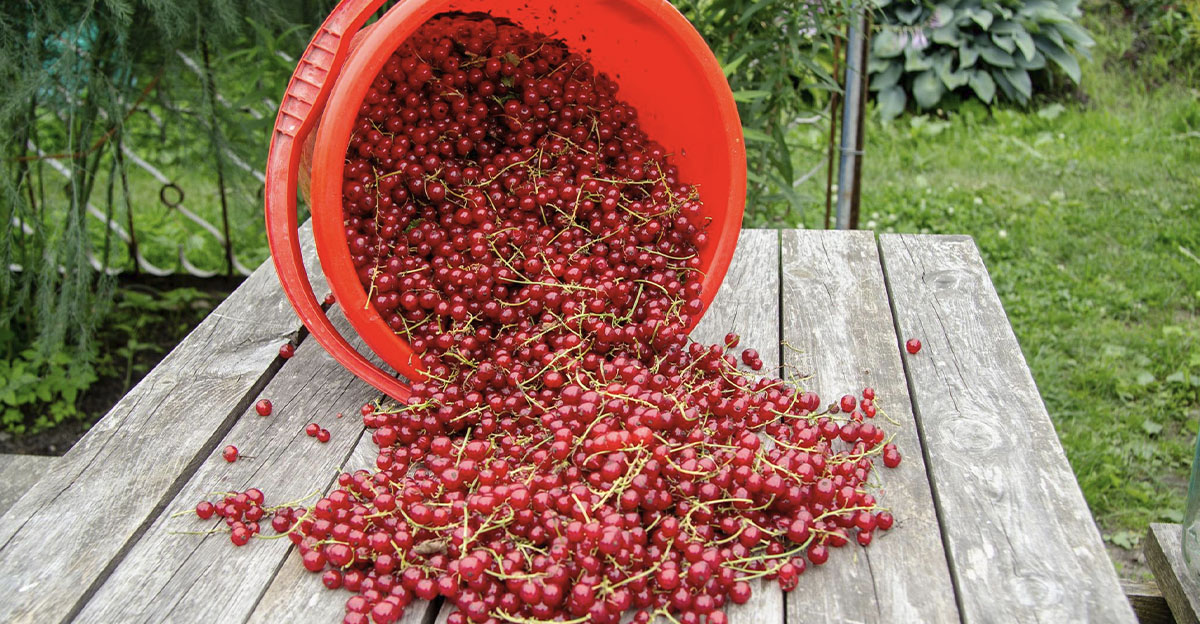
{"x":74,"y":71}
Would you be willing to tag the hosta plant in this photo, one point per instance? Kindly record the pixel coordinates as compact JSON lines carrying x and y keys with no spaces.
{"x":989,"y":49}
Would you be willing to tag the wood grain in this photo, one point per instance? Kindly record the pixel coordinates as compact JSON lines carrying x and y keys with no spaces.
{"x":1148,"y":603}
{"x":171,"y":576}
{"x":747,"y":304}
{"x":1022,"y":543}
{"x":18,"y":473}
{"x":1180,"y":587}
{"x":64,"y":536}
{"x":838,"y":324}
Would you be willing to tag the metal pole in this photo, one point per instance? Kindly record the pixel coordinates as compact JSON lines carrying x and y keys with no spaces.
{"x":851,"y":109}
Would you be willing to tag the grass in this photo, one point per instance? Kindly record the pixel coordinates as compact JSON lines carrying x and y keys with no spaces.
{"x":1087,"y":214}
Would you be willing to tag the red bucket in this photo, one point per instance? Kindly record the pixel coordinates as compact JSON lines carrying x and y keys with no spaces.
{"x":665,"y":70}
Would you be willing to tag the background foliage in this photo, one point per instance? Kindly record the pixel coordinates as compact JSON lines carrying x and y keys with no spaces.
{"x":778,"y":55}
{"x":992,"y":50}
{"x":83,"y":81}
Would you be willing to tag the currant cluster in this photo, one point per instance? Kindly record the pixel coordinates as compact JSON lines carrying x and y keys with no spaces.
{"x":571,"y":455}
{"x":241,"y":511}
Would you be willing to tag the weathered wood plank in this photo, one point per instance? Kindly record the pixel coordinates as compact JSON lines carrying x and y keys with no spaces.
{"x":1022,"y":544}
{"x":1147,"y":602}
{"x":18,"y":473}
{"x":64,"y":536}
{"x":1164,"y":555}
{"x":836,"y":314}
{"x":205,"y":578}
{"x":747,"y":304}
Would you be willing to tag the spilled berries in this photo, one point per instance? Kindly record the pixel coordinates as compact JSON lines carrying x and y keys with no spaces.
{"x":572,"y":455}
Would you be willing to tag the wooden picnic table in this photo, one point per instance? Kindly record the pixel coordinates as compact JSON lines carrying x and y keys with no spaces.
{"x":991,"y":524}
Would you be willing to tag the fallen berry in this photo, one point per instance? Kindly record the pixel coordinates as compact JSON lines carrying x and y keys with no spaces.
{"x":263,"y":407}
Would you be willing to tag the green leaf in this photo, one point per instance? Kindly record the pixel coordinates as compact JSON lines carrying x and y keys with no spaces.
{"x":749,"y":95}
{"x":1020,"y":81}
{"x":915,"y":61}
{"x":909,"y":14}
{"x":888,"y":77}
{"x":1024,"y":44}
{"x":1178,"y":377}
{"x":754,"y":134}
{"x":1004,"y":42}
{"x":1005,"y":27}
{"x":1038,"y":61}
{"x":1145,"y":378}
{"x":999,"y":9}
{"x":982,"y":84}
{"x":1065,"y":60}
{"x":1050,"y":36}
{"x":943,"y":64}
{"x":1075,"y":34}
{"x":947,"y":35}
{"x":943,"y":14}
{"x":891,"y":102}
{"x":967,"y":55}
{"x":732,"y":66}
{"x":1151,"y":427}
{"x":748,"y":14}
{"x":1125,"y":539}
{"x":995,"y":56}
{"x":886,"y":44}
{"x":927,"y":89}
{"x":982,"y":17}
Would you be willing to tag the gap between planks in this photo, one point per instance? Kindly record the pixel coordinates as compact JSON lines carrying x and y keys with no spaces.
{"x":839,"y":324}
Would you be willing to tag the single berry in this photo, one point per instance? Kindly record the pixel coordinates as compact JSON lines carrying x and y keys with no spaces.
{"x":205,"y":510}
{"x":323,"y":435}
{"x":311,"y":429}
{"x":913,"y":345}
{"x":287,"y":350}
{"x":230,"y":453}
{"x":263,"y":407}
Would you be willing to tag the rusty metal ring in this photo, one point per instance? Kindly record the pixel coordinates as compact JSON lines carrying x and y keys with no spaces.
{"x":162,"y":195}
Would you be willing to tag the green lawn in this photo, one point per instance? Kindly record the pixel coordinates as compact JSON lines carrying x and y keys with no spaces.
{"x":1087,"y":214}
